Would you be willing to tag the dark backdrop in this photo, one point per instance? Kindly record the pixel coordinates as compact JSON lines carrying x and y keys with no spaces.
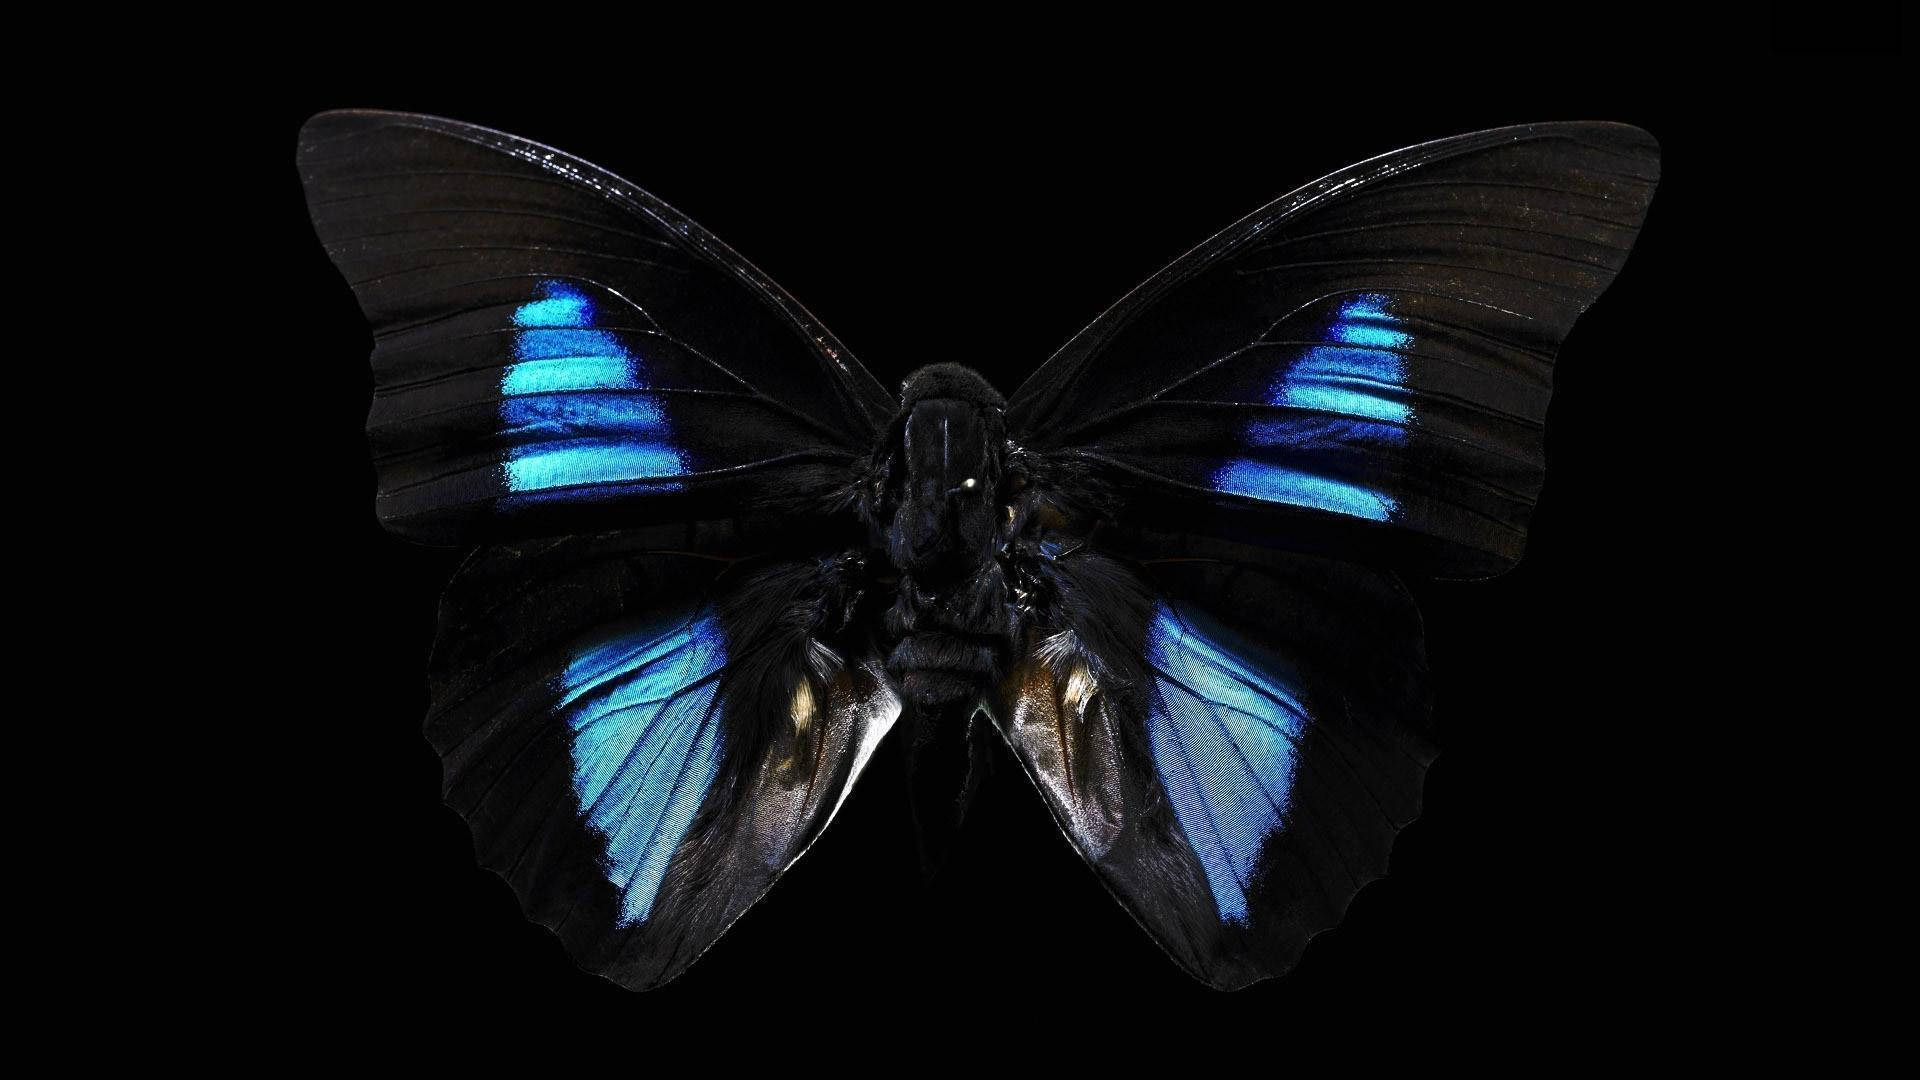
{"x":969,"y":222}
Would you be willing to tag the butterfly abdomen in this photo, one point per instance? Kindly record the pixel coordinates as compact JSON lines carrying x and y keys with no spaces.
{"x":950,"y":644}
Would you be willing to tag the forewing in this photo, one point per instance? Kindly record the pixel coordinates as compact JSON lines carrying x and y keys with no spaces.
{"x":1363,"y":364}
{"x":1231,"y":748}
{"x":641,"y":744}
{"x":555,"y":348}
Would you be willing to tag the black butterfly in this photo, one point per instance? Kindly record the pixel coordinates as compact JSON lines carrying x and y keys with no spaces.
{"x":717,"y":562}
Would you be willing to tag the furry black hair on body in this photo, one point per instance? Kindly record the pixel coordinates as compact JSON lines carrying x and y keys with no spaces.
{"x":944,"y":517}
{"x":949,"y":381}
{"x":946,"y":520}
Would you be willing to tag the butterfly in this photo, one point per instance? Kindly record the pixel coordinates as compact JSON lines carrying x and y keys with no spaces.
{"x":715,"y":563}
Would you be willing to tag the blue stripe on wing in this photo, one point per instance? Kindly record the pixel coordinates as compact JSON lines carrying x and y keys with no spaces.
{"x":645,"y":722}
{"x":1224,"y":731}
{"x":1358,"y":371}
{"x":573,"y":406}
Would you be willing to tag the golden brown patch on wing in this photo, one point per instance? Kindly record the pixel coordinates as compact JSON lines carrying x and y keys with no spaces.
{"x":1040,"y":718}
{"x":1068,"y":741}
{"x":804,"y":743}
{"x":820,"y":716}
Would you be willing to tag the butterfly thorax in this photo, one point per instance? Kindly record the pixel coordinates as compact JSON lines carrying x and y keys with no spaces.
{"x":951,"y":628}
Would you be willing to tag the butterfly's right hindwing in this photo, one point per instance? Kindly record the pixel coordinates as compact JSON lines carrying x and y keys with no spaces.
{"x":641,"y":743}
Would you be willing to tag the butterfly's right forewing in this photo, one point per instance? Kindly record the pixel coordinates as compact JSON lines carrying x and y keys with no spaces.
{"x":556,"y":349}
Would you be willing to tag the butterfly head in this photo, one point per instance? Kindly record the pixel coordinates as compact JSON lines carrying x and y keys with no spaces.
{"x":944,"y":484}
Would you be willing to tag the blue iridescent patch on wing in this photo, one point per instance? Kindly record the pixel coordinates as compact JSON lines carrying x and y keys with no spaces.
{"x":1224,"y":732}
{"x":1358,"y":372}
{"x":646,"y":743}
{"x":572,"y":408}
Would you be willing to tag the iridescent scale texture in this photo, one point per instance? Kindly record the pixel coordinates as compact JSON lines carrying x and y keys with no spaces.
{"x":1224,"y":734}
{"x":573,"y":407}
{"x":645,"y":726}
{"x":1356,"y":378}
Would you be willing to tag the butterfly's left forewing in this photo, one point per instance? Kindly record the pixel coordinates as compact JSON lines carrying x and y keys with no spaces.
{"x":1231,"y":746}
{"x":1362,"y":366}
{"x":641,"y":742}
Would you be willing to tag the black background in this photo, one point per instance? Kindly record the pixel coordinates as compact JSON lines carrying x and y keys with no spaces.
{"x":975,"y":218}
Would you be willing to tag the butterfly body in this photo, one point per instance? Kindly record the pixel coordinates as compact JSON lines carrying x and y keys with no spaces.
{"x":947,"y":521}
{"x":715,"y":563}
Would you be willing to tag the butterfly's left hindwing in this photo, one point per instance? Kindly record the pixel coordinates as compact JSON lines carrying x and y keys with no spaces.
{"x":640,"y":743}
{"x":1231,"y":747}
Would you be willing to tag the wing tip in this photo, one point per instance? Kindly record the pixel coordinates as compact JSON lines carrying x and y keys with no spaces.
{"x":1619,"y":137}
{"x":327,"y":127}
{"x":330,"y":124}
